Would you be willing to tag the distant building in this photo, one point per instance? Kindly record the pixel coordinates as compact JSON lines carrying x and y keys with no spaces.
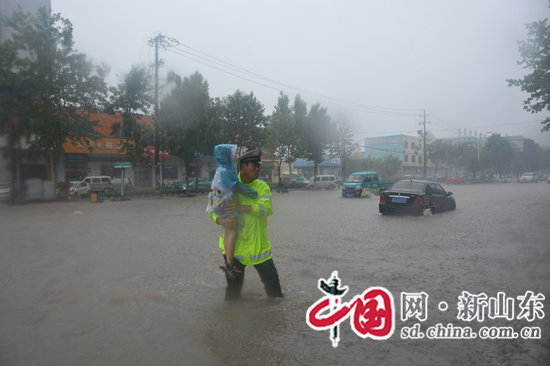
{"x":327,"y":166}
{"x":408,"y":149}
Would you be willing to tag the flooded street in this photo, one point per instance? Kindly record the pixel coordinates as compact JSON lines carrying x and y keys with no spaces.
{"x":137,"y":282}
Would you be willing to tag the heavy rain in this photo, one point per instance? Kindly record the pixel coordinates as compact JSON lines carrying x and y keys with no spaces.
{"x":110,"y":112}
{"x":137,"y":282}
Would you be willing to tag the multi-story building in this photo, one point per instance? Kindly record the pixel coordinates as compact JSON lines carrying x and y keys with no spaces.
{"x":408,"y":149}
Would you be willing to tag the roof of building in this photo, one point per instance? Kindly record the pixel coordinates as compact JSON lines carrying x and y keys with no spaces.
{"x":106,"y":121}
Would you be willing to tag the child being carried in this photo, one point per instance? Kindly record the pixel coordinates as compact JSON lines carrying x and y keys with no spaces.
{"x":224,"y":187}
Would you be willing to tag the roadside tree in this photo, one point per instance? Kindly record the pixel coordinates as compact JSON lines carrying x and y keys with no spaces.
{"x":535,"y":56}
{"x":282,"y":135}
{"x":131,"y":98}
{"x":441,"y":153}
{"x":344,"y":146}
{"x":531,"y":159}
{"x":299,"y":109}
{"x":470,"y":157}
{"x":318,"y":135}
{"x":244,"y":120}
{"x":387,"y":167}
{"x":500,"y":154}
{"x":50,"y":88}
{"x":187,"y":121}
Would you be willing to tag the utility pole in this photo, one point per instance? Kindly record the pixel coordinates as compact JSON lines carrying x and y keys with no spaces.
{"x":158,"y":41}
{"x":424,"y":134}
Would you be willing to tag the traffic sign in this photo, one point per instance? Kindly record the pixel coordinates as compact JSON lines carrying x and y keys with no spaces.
{"x":122,"y":164}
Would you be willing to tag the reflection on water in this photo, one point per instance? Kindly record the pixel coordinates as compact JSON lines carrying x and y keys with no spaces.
{"x":146,"y":289}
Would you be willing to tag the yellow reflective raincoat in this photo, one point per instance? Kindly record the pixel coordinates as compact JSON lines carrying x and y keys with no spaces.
{"x":252,"y":245}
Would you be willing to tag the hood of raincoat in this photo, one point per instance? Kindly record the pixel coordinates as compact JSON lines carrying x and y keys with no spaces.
{"x":224,"y":155}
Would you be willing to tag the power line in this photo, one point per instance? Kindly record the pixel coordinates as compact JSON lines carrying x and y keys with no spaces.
{"x":196,"y":59}
{"x":483,"y":127}
{"x":450,"y":128}
{"x":221,"y":65}
{"x":237,"y":71}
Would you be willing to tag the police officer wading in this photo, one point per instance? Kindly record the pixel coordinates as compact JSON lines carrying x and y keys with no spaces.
{"x":252,"y":247}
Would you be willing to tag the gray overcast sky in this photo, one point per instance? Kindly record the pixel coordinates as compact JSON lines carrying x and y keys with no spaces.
{"x":361,"y":59}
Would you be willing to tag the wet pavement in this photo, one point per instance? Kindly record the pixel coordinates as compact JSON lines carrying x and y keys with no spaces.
{"x":136,"y":282}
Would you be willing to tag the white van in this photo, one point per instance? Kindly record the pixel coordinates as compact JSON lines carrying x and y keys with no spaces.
{"x":323,"y":181}
{"x":100,"y":183}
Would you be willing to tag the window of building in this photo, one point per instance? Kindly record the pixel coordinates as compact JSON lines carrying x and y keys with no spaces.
{"x":420,"y":159}
{"x":413,"y":159}
{"x":170,"y":172}
{"x":412,"y":145}
{"x":406,"y":144}
{"x":406,"y":159}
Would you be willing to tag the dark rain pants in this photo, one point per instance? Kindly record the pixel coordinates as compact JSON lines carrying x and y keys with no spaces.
{"x":268,"y":275}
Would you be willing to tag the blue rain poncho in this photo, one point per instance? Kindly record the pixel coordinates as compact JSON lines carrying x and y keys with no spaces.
{"x":225,"y":182}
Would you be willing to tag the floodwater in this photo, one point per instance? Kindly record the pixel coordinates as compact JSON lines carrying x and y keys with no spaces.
{"x":136,"y":282}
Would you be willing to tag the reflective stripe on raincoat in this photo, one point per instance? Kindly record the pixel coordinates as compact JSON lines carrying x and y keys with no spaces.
{"x":252,"y":245}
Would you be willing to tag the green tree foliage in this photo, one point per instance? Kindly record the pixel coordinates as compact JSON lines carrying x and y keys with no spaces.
{"x":535,"y":56}
{"x":344,"y":146}
{"x":50,"y":88}
{"x":531,"y":159}
{"x":186,"y":117}
{"x":386,"y":168}
{"x":500,"y":154}
{"x":441,"y":153}
{"x":12,"y":105}
{"x":131,"y":98}
{"x":244,"y":120}
{"x":466,"y":157}
{"x":300,"y":117}
{"x":283,"y":139}
{"x":318,"y":135}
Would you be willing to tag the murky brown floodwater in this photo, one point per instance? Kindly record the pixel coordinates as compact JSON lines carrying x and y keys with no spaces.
{"x":137,"y":282}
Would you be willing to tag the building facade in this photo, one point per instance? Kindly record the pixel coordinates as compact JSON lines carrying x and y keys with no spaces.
{"x":408,"y":149}
{"x":331,"y":166}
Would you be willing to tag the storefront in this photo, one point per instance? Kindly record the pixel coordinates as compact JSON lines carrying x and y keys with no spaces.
{"x":93,"y":157}
{"x":330,"y":166}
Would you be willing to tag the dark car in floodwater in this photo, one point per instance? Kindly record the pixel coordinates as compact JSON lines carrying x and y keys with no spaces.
{"x":412,"y":196}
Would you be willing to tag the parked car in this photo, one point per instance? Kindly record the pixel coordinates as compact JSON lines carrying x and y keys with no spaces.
{"x":5,"y":191}
{"x":415,"y":196}
{"x":117,"y":182}
{"x":506,"y":179}
{"x":77,"y":189}
{"x":322,"y":181}
{"x":359,"y":182}
{"x":204,"y":184}
{"x":454,"y":180}
{"x":528,"y":177}
{"x":100,"y":183}
{"x":301,"y":181}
